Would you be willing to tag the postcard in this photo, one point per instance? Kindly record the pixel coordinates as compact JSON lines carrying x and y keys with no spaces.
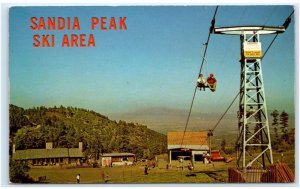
{"x":152,"y":94}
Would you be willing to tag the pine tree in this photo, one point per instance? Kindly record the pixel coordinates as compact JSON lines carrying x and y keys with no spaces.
{"x":284,"y":119}
{"x":275,"y":123}
{"x":223,"y":145}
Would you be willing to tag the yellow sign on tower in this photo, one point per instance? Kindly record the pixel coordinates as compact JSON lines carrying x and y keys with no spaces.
{"x":252,"y":49}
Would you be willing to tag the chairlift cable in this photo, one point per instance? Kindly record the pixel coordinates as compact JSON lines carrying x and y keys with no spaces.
{"x":225,"y":112}
{"x":291,"y":14}
{"x":271,"y":14}
{"x":269,"y":45}
{"x":203,"y":59}
{"x":210,"y":31}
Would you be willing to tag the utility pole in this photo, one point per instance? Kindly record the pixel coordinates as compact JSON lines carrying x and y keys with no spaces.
{"x":209,"y":134}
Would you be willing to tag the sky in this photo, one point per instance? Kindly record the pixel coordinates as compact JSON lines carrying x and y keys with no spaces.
{"x":152,"y":64}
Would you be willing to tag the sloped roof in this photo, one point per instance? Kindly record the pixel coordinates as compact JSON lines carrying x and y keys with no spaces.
{"x":117,"y":154}
{"x":47,"y":153}
{"x":192,"y":140}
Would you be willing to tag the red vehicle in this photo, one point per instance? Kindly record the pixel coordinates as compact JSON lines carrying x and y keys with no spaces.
{"x":216,"y":156}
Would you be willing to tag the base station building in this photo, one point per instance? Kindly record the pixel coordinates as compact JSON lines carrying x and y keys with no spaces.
{"x":189,"y":146}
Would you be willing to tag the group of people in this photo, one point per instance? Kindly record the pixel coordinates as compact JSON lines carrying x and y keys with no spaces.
{"x":210,"y":82}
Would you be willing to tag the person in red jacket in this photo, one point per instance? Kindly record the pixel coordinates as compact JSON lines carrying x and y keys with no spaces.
{"x":211,"y":82}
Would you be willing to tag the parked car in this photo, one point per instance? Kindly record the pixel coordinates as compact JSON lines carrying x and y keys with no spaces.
{"x":120,"y":163}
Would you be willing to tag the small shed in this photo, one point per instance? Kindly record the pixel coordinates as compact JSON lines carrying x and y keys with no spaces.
{"x":110,"y":159}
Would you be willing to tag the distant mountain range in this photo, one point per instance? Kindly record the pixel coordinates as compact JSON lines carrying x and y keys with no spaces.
{"x":167,"y":119}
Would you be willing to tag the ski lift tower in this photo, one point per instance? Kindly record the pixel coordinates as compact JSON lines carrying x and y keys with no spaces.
{"x":254,"y":141}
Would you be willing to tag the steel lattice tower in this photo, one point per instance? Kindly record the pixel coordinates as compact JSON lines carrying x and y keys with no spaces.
{"x":254,"y":141}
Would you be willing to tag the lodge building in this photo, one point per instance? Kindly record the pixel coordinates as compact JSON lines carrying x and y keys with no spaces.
{"x":49,"y":155}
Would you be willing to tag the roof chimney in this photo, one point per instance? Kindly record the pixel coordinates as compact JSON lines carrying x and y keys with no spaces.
{"x":80,"y":146}
{"x":49,"y":145}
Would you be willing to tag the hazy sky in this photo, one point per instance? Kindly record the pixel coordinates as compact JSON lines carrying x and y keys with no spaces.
{"x":154,"y":63}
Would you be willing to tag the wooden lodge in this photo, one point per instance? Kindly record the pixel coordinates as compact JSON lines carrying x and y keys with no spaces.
{"x":50,"y":156}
